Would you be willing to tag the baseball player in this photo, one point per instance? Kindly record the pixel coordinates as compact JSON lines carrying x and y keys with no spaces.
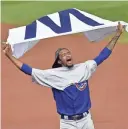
{"x":69,"y":83}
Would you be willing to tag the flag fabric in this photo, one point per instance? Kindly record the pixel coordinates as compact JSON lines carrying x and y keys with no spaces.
{"x":61,"y":23}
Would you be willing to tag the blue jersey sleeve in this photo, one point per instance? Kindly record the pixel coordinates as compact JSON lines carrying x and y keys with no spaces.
{"x":104,"y":54}
{"x":26,"y":69}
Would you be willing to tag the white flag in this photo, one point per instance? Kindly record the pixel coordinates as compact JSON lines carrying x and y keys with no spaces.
{"x":65,"y":22}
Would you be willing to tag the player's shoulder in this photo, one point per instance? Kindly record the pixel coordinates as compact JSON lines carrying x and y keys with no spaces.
{"x":89,"y":65}
{"x":86,"y":65}
{"x":90,"y":62}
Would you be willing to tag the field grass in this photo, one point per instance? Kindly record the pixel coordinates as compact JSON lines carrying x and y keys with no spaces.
{"x":24,"y":12}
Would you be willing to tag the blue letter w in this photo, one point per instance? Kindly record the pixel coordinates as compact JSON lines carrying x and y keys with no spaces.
{"x":64,"y":21}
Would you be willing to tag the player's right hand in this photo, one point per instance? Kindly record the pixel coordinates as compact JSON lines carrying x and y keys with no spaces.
{"x":7,"y":49}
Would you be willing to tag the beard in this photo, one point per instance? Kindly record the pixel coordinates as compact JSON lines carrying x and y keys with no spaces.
{"x":70,"y":66}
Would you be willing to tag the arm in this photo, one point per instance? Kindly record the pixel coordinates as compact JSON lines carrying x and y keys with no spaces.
{"x":114,"y":40}
{"x":23,"y":67}
{"x":105,"y":53}
{"x":41,"y":77}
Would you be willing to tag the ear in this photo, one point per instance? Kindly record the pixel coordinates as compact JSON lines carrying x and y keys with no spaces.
{"x":59,"y":62}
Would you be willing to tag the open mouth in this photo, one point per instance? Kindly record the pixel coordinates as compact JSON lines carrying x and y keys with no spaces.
{"x":69,"y":60}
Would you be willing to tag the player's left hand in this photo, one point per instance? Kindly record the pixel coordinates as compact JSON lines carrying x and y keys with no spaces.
{"x":120,"y":28}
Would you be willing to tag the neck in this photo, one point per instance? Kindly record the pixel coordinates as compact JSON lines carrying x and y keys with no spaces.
{"x":69,"y":67}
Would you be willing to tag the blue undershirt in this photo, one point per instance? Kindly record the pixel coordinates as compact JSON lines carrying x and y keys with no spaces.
{"x":26,"y":69}
{"x":104,"y":54}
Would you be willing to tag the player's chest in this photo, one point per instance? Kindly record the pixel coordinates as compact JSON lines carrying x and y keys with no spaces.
{"x":77,"y":89}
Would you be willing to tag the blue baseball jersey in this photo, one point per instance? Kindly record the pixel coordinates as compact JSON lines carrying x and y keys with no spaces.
{"x":69,"y":86}
{"x":75,"y":99}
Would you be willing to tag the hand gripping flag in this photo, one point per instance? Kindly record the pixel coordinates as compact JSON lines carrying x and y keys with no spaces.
{"x":65,"y":22}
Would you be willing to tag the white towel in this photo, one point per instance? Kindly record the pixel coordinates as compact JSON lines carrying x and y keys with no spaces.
{"x":65,"y":22}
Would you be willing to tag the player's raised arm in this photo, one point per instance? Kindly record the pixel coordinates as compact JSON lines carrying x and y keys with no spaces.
{"x":23,"y":67}
{"x":120,"y":30}
{"x":41,"y":77}
{"x":105,"y":53}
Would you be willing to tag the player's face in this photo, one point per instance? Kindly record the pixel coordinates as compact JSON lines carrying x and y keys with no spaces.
{"x":65,"y":58}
